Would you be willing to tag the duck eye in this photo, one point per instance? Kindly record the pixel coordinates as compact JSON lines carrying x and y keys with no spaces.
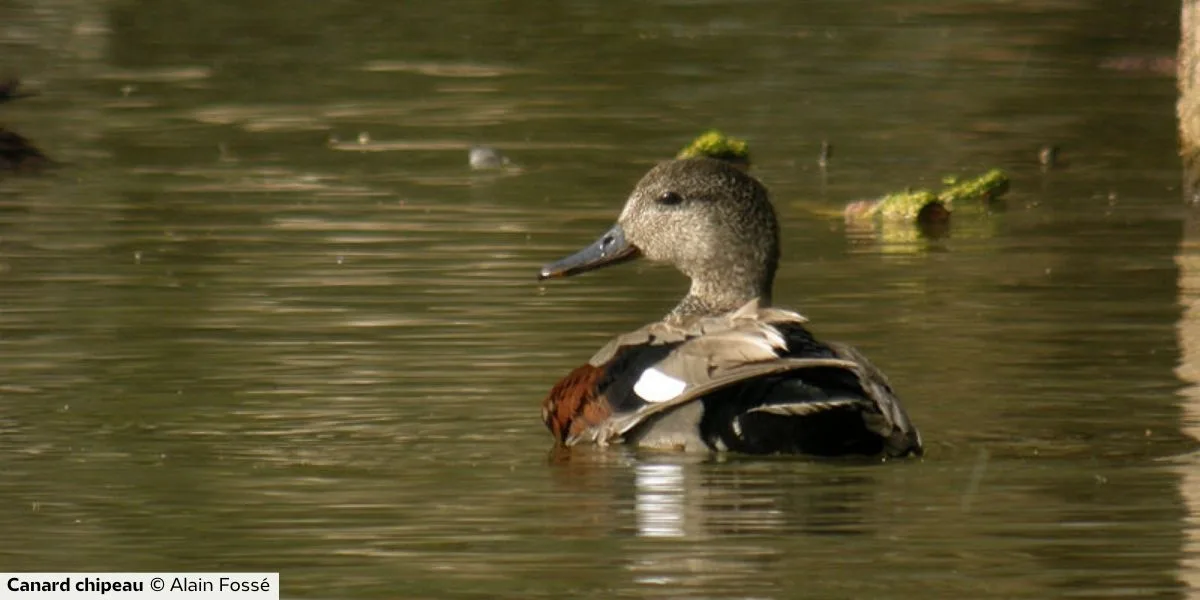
{"x":670,"y":198}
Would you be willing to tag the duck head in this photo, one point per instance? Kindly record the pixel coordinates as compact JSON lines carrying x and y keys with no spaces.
{"x":709,"y":219}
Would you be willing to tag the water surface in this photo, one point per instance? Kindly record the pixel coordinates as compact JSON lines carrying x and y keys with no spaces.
{"x":266,"y":318}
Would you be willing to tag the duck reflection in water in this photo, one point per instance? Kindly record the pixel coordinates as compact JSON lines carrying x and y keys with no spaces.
{"x":736,"y":507}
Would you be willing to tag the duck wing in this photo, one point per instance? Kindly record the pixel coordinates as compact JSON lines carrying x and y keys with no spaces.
{"x":582,"y":402}
{"x":765,"y":384}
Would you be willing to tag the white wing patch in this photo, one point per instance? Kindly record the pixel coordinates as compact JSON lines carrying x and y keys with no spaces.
{"x":656,"y":386}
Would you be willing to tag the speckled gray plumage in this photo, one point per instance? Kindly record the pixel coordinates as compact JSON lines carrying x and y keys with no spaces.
{"x":722,"y":233}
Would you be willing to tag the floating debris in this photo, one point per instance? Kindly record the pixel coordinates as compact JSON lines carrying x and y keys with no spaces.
{"x":714,"y":144}
{"x":931,"y":211}
{"x":483,"y":158}
{"x":1048,"y":157}
{"x":902,"y":206}
{"x":985,"y":189}
{"x":825,"y":155}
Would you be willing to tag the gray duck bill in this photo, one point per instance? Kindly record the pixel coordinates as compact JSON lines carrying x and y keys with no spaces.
{"x":611,"y":249}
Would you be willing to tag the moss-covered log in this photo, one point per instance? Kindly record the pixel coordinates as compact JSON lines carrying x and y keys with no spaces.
{"x":929,"y":208}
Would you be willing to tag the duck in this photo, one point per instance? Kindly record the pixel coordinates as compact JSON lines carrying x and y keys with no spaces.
{"x":725,"y":370}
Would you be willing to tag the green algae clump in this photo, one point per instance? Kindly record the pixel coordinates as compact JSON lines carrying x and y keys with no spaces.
{"x":923,"y":207}
{"x":904,"y":206}
{"x":714,"y":144}
{"x":987,"y":188}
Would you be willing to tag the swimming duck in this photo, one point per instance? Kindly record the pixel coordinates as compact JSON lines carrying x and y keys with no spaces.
{"x":724,"y":370}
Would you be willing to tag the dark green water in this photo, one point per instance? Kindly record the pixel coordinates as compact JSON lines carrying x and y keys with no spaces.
{"x":230,"y":343}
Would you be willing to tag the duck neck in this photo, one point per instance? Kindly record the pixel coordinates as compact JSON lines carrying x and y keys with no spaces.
{"x":709,"y":297}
